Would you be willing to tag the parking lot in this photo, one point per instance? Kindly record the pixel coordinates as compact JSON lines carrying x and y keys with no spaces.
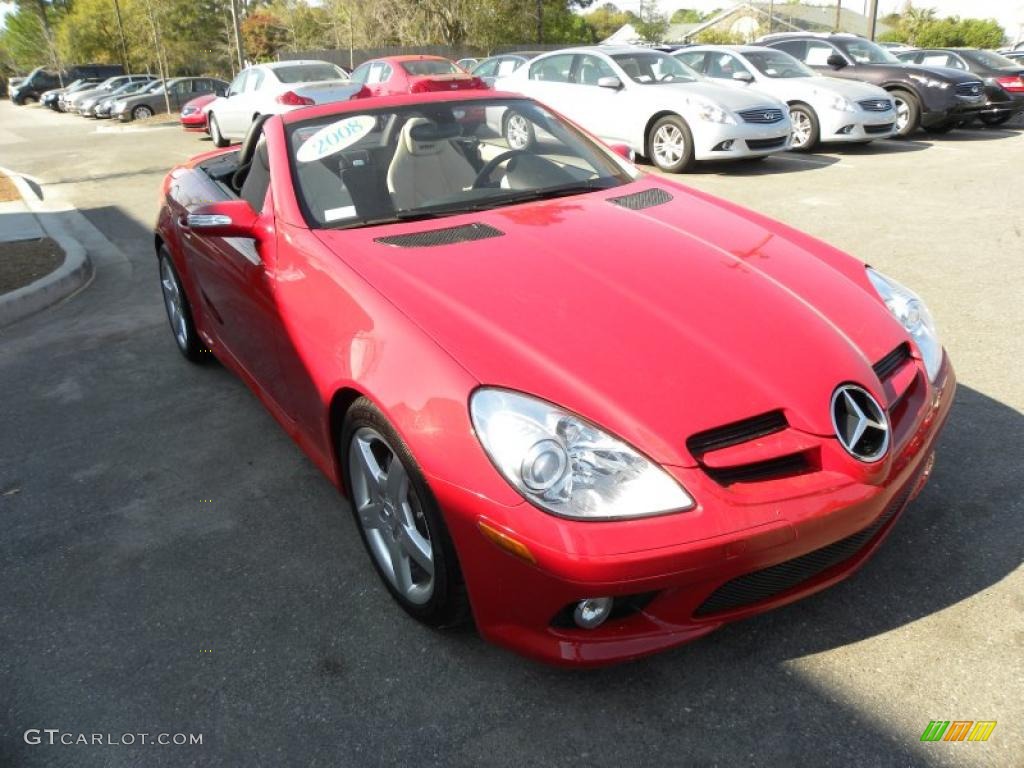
{"x":171,"y":562}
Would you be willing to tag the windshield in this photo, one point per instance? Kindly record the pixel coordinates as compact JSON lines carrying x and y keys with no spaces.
{"x":130,"y":88}
{"x":866,"y":52}
{"x":990,"y":59}
{"x":439,"y":158}
{"x":308,"y":73}
{"x":430,"y":67}
{"x":778,"y":64}
{"x":652,"y":68}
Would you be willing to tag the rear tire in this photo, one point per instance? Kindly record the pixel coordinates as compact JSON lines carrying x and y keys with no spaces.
{"x":518,"y":131}
{"x":215,"y":134}
{"x":670,"y":144}
{"x":393,"y":506}
{"x":994,"y":120}
{"x":908,"y":113}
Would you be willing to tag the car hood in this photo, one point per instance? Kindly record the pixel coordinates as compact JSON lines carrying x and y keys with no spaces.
{"x":724,"y":95}
{"x":899,"y":70}
{"x":854,"y":90}
{"x":654,"y":323}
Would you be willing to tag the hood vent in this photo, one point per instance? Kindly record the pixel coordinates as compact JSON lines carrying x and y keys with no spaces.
{"x":647,"y":198}
{"x":448,"y":236}
{"x":736,"y":433}
{"x":892,"y":362}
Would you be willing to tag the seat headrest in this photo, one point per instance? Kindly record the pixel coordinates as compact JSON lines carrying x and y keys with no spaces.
{"x":425,"y":137}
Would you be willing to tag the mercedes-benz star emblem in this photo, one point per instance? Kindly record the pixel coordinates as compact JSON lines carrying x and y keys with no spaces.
{"x":860,"y":423}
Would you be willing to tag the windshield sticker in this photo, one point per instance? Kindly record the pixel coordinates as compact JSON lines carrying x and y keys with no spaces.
{"x":335,"y":137}
{"x":345,"y":212}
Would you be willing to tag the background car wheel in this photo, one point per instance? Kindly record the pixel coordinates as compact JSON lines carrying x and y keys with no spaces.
{"x":141,"y":112}
{"x":806,"y":130}
{"x":399,"y":520}
{"x":215,"y":134}
{"x":670,"y":144}
{"x":518,"y":131}
{"x":908,"y":113}
{"x":179,"y":313}
{"x":991,"y":120}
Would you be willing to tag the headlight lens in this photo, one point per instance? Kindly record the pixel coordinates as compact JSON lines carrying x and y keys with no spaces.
{"x":567,"y":466}
{"x":842,"y":104}
{"x":930,"y":82}
{"x":119,"y":106}
{"x":907,"y":307}
{"x":711,"y":112}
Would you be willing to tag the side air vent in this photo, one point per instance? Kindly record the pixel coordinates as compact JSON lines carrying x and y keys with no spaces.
{"x":646,"y":198}
{"x":447,"y":236}
{"x":736,"y":433}
{"x":892,"y":362}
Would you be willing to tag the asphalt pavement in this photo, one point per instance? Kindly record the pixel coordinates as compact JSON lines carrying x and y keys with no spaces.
{"x":170,"y":563}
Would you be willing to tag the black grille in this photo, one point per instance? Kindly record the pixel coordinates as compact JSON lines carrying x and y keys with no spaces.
{"x":766,"y":115}
{"x":892,"y":362}
{"x":646,"y":198}
{"x":972,"y":88}
{"x":447,"y":236}
{"x":783,"y":466}
{"x":774,"y":580}
{"x":875,"y":105}
{"x":884,"y":128}
{"x":737,"y":432}
{"x":766,"y":143}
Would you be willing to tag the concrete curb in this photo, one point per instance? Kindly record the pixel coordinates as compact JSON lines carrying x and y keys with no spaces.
{"x":69,"y":277}
{"x":129,"y":128}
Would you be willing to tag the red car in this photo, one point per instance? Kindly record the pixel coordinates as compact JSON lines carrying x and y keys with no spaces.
{"x":193,"y":117}
{"x":413,"y":74}
{"x":598,"y":411}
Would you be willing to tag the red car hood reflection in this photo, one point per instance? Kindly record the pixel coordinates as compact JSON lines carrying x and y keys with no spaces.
{"x":655,"y":323}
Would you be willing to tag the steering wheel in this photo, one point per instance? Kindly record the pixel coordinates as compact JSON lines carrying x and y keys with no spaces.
{"x":493,"y":163}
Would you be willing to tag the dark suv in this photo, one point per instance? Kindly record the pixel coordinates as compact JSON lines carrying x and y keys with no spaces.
{"x":933,"y":98}
{"x":40,"y":79}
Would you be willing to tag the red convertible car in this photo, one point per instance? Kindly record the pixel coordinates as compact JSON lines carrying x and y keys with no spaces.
{"x":597,"y":411}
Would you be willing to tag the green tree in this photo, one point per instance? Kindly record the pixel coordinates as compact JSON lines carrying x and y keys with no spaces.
{"x":651,"y":25}
{"x":605,"y":20}
{"x":952,"y":32}
{"x":687,"y":16}
{"x":719,"y":37}
{"x":263,"y":34}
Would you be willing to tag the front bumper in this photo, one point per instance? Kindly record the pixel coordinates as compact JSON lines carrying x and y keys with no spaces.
{"x":715,"y":141}
{"x":949,"y":107}
{"x":859,"y":126}
{"x":517,"y":603}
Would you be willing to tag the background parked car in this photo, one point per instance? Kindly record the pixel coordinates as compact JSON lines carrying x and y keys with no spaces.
{"x":76,"y":102}
{"x":51,"y":98}
{"x":40,"y":79}
{"x":467,"y":64}
{"x":272,"y":89}
{"x":193,"y":114}
{"x":413,"y":74}
{"x":650,"y":101}
{"x":152,"y":102}
{"x":821,"y":108}
{"x":100,"y":107}
{"x":935,"y":98}
{"x":502,"y":65}
{"x":1003,"y":77}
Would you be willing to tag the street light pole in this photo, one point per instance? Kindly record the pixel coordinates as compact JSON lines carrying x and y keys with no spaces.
{"x":872,"y":18}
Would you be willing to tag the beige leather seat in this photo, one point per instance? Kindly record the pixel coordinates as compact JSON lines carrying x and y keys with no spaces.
{"x":425,"y":171}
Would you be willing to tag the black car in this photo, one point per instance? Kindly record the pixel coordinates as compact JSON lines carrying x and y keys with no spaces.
{"x":42,"y":79}
{"x":934,"y":98}
{"x":1003,"y":78}
{"x":501,"y":65}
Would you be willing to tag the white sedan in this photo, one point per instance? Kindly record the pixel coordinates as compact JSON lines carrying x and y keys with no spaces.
{"x":824,"y":109}
{"x":651,"y":102}
{"x":271,"y":89}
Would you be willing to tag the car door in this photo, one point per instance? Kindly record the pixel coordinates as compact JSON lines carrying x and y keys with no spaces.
{"x":695,"y":60}
{"x":389,"y":79}
{"x":598,"y":109}
{"x":230,"y":110}
{"x":180,"y":93}
{"x":487,"y":70}
{"x":550,"y":81}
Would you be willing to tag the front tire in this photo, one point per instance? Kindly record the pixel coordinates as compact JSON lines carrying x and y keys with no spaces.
{"x":518,"y":131}
{"x":179,"y":312}
{"x":141,"y":112}
{"x":908,"y":113}
{"x":399,"y":520}
{"x":806,"y":129}
{"x":215,"y":134}
{"x":670,"y":144}
{"x":993,"y":120}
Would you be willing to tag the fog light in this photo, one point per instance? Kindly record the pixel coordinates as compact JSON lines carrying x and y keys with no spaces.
{"x":722,"y":146}
{"x":845,"y":129}
{"x":592,"y":612}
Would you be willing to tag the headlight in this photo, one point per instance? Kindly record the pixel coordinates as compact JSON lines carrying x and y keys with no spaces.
{"x":842,"y":104}
{"x":567,"y":466}
{"x":189,"y":111}
{"x":711,"y":112}
{"x":929,"y":82}
{"x":907,"y":307}
{"x":118,"y":106}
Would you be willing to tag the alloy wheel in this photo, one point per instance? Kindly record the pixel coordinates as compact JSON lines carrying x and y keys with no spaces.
{"x":141,"y":113}
{"x":174,"y":303}
{"x":902,"y":113}
{"x":517,"y":132}
{"x":669,"y":145}
{"x":391,"y":515}
{"x":801,"y":128}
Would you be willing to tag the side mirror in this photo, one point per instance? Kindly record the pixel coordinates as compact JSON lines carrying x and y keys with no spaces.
{"x":743,"y":76}
{"x":609,"y":81}
{"x":836,"y":61}
{"x":229,"y":218}
{"x":623,"y":151}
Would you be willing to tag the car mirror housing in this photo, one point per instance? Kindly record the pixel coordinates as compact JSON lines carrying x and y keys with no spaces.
{"x":229,"y":218}
{"x":743,"y":77}
{"x":836,"y":61}
{"x":609,"y":81}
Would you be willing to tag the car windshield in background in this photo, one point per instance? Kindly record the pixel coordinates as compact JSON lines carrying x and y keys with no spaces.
{"x":430,"y":67}
{"x":437,"y":159}
{"x":308,"y":73}
{"x":866,"y":52}
{"x":990,"y":60}
{"x":654,"y":68}
{"x":778,"y":64}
